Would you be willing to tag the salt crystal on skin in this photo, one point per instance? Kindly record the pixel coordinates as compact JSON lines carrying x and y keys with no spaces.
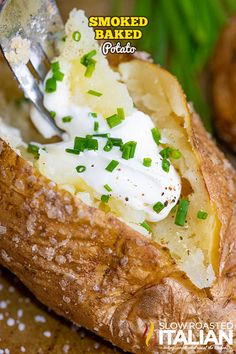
{"x":66,"y":348}
{"x":7,"y":351}
{"x":19,"y":313}
{"x":47,"y":334}
{"x":22,"y":349}
{"x":3,"y":230}
{"x":3,"y":304}
{"x":21,"y":327}
{"x":1,"y":316}
{"x":40,"y":319}
{"x":10,"y":322}
{"x":96,"y":345}
{"x":11,"y":289}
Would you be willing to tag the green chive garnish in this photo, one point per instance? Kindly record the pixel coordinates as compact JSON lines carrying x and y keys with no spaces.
{"x":107,"y":187}
{"x":181,"y":212}
{"x":158,"y":207}
{"x":90,"y":68}
{"x":147,"y":161}
{"x":80,"y":168}
{"x":58,"y":76}
{"x":165,"y":165}
{"x":64,"y":38}
{"x":113,"y":120}
{"x":92,"y":114}
{"x":79,"y":143}
{"x":33,"y":149}
{"x":102,"y":135}
{"x":146,"y":226}
{"x":169,"y":152}
{"x":129,"y":150}
{"x":86,"y":59}
{"x":176,"y":154}
{"x":55,"y":66}
{"x":91,"y":144}
{"x":116,"y":141}
{"x":94,"y":93}
{"x":156,"y":135}
{"x":73,"y":151}
{"x":105,"y":198}
{"x":67,"y":119}
{"x":112,"y":165}
{"x":95,"y":126}
{"x":108,"y":146}
{"x":76,"y":36}
{"x":52,"y":114}
{"x":202,"y":215}
{"x":51,"y":85}
{"x":121,"y":113}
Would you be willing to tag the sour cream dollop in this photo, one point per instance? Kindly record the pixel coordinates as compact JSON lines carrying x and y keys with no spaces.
{"x":132,"y":184}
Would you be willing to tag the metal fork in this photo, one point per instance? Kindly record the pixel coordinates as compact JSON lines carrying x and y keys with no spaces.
{"x":40,"y":22}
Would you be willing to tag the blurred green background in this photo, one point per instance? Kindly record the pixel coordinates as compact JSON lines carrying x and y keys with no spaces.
{"x":181,"y":36}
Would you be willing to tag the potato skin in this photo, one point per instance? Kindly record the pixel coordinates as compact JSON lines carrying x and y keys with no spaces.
{"x":94,"y":270}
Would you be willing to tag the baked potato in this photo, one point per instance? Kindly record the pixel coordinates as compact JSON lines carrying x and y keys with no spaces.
{"x":90,"y":260}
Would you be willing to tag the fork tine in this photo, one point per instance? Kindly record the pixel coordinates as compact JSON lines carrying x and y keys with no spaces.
{"x":39,"y":60}
{"x":32,"y":91}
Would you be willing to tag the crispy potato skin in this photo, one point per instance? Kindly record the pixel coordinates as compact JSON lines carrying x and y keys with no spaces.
{"x":223,"y":72}
{"x":94,"y":270}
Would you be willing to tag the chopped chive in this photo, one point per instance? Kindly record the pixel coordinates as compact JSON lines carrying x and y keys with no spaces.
{"x":121,"y":113}
{"x":129,"y":150}
{"x":165,"y":165}
{"x":147,"y":161}
{"x":33,"y":149}
{"x":95,"y":126}
{"x":176,"y":154}
{"x":113,"y":120}
{"x":105,"y":198}
{"x":181,"y":212}
{"x":90,"y":69}
{"x":76,"y":36}
{"x":91,"y":144}
{"x":73,"y":151}
{"x":112,"y":165}
{"x":116,"y":141}
{"x":58,"y":76}
{"x":158,"y":207}
{"x":52,"y":114}
{"x":107,"y":187}
{"x":94,"y":93}
{"x":156,"y":135}
{"x":173,"y":210}
{"x":146,"y":226}
{"x":86,"y":59}
{"x":55,"y":66}
{"x":80,"y":168}
{"x":51,"y":85}
{"x":202,"y":215}
{"x":79,"y":143}
{"x":166,"y":153}
{"x":108,"y":146}
{"x":64,"y":38}
{"x":102,"y":135}
{"x":92,"y":114}
{"x":169,"y":152}
{"x":67,"y":119}
{"x":126,"y":152}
